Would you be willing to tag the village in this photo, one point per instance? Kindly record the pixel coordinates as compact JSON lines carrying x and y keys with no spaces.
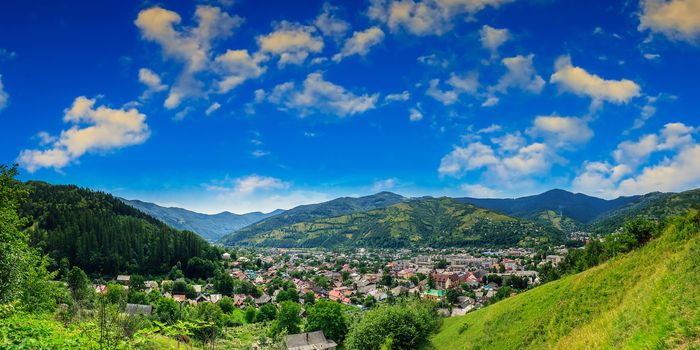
{"x":458,"y":280}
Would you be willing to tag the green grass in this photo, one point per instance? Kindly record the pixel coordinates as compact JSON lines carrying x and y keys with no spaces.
{"x":647,"y":299}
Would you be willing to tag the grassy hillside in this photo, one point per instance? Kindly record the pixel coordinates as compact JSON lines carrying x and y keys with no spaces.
{"x":210,"y":227}
{"x":435,"y":222}
{"x":646,"y":299}
{"x":304,"y":213}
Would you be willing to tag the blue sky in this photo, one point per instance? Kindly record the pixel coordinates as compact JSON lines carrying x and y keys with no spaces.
{"x":256,"y":105}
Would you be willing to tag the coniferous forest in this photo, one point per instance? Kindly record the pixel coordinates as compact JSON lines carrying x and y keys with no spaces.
{"x":102,"y":235}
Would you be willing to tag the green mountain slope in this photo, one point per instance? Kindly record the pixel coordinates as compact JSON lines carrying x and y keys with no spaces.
{"x":646,"y":299}
{"x":654,"y":205}
{"x":210,"y":227}
{"x":435,"y":222}
{"x":554,"y":219}
{"x":572,"y":209}
{"x":302,"y":213}
{"x":101,"y":234}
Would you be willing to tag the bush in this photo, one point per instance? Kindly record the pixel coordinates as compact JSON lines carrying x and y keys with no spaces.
{"x":226,"y":305}
{"x":288,"y":318}
{"x":327,"y":316}
{"x":268,"y":312}
{"x":407,"y":324}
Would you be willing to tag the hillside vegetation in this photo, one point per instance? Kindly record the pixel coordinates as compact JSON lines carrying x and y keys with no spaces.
{"x":434,"y":222}
{"x":654,"y":205}
{"x":101,"y":234}
{"x":304,"y":213}
{"x":645,"y":299}
{"x":209,"y":227}
{"x":576,"y":207}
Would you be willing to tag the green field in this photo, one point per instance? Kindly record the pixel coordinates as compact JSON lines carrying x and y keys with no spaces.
{"x":646,"y":299}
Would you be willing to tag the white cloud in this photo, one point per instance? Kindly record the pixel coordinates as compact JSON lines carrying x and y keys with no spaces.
{"x":446,"y":97}
{"x":676,"y":19}
{"x":400,"y":97}
{"x":631,"y":153}
{"x":415,"y":115}
{"x":384,"y":185}
{"x":433,"y":60}
{"x":676,"y":135}
{"x":676,"y":174}
{"x":521,"y":74}
{"x":489,"y":129}
{"x":509,"y":142}
{"x":265,"y":202}
{"x":247,"y":184}
{"x":561,"y":131}
{"x":479,"y":191}
{"x":329,"y":24}
{"x":292,"y":42}
{"x":468,"y":83}
{"x":648,"y":111}
{"x":599,"y":179}
{"x":426,"y":17}
{"x":45,"y":138}
{"x":678,"y":170}
{"x":152,"y":81}
{"x":3,"y":95}
{"x":463,"y":159}
{"x":318,"y":96}
{"x":237,"y":66}
{"x":98,"y":129}
{"x":490,"y":101}
{"x":360,"y":43}
{"x":259,"y":153}
{"x":578,"y":81}
{"x":251,"y":193}
{"x":672,"y":136}
{"x":492,"y":38}
{"x":511,"y":156}
{"x":531,"y":159}
{"x":213,"y":108}
{"x":189,"y":45}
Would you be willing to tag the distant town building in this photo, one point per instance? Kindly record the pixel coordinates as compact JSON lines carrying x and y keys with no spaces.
{"x":309,"y":341}
{"x":124,"y":279}
{"x":433,"y":295}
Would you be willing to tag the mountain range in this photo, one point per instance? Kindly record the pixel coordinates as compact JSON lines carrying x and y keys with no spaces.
{"x":391,"y":220}
{"x":418,"y":222}
{"x":210,"y":227}
{"x":307,"y":213}
{"x":577,"y":206}
{"x":347,"y":221}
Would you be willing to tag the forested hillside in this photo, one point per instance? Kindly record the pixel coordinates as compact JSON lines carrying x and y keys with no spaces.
{"x":562,"y":209}
{"x":421,"y":222}
{"x":101,"y":234}
{"x":654,"y":205}
{"x":645,"y":299}
{"x":210,"y":227}
{"x":303,"y":213}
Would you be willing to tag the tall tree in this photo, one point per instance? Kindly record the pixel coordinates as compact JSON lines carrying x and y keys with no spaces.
{"x":14,"y":249}
{"x":79,"y":284}
{"x":327,"y":316}
{"x":288,"y":318}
